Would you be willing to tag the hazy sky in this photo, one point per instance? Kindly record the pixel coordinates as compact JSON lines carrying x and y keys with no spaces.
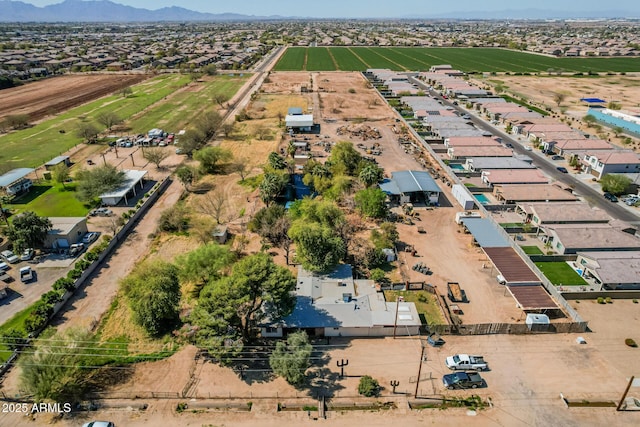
{"x":370,"y":8}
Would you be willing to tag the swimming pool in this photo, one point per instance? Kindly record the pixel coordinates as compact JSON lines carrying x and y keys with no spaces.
{"x":482,"y":199}
{"x":456,"y":166}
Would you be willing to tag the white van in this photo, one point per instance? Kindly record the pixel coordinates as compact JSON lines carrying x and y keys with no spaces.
{"x":500,"y":278}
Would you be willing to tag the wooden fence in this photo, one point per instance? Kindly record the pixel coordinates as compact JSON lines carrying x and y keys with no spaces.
{"x":507,"y":328}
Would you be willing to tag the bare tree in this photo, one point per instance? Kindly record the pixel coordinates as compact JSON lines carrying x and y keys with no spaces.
{"x":87,"y":131}
{"x":155,"y":155}
{"x":108,"y":119}
{"x":115,"y":223}
{"x":220,"y":99}
{"x":262,"y":132}
{"x":559,"y":98}
{"x":214,"y":204}
{"x":227,"y":128}
{"x":241,"y":166}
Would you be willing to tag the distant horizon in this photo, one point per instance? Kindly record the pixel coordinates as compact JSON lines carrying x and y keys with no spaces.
{"x":377,"y":9}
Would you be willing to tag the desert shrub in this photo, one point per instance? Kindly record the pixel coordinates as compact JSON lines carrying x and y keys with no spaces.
{"x":630,"y":342}
{"x":601,"y":300}
{"x":368,"y":386}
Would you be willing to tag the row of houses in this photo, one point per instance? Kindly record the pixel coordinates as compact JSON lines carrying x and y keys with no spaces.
{"x":564,"y":224}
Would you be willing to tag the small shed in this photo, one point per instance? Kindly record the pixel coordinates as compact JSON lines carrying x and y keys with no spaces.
{"x":56,"y":161}
{"x":220,"y":234}
{"x":537,"y":322}
{"x":389,"y":254}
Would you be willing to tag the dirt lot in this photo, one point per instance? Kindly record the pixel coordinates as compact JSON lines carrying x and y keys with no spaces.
{"x":622,"y":89}
{"x":57,"y":94}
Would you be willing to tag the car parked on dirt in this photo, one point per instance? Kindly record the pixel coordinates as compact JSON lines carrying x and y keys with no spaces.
{"x":9,"y":257}
{"x":89,"y":237}
{"x":99,"y":424}
{"x":27,"y":254}
{"x":26,"y":274}
{"x":4,"y":266}
{"x":101,"y":212}
{"x":462,"y":380}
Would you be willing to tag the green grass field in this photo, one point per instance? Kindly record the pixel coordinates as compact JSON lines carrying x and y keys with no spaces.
{"x":34,"y":146}
{"x":425,"y":302}
{"x":187,"y":105}
{"x":560,"y":274}
{"x":466,"y":59}
{"x":50,"y":199}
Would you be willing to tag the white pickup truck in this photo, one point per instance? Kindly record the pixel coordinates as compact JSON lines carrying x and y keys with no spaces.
{"x":466,"y":362}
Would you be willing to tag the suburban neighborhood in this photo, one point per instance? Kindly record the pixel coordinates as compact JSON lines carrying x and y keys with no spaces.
{"x":281,"y":222}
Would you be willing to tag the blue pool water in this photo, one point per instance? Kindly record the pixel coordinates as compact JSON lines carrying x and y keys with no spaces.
{"x":482,"y":199}
{"x":456,"y":166}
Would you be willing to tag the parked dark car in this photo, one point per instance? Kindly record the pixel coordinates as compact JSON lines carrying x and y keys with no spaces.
{"x":562,"y":169}
{"x":509,"y":145}
{"x":462,"y":380}
{"x":556,"y":157}
{"x":610,"y":197}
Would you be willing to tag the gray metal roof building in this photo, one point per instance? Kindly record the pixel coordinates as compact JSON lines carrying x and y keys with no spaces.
{"x":485,"y":232}
{"x":14,"y":175}
{"x":415,"y":182}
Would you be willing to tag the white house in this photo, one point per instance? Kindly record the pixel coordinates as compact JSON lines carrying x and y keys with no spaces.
{"x":14,"y":181}
{"x":600,"y":163}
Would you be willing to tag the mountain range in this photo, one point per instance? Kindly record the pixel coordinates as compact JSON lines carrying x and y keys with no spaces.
{"x":108,"y":11}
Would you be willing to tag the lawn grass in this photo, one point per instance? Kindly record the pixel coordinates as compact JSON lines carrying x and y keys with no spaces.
{"x":17,"y":323}
{"x":34,"y":146}
{"x":319,"y":59}
{"x":561,"y":274}
{"x":425,"y":302}
{"x":50,"y":199}
{"x":532,"y":250}
{"x":185,"y":106}
{"x":466,"y":59}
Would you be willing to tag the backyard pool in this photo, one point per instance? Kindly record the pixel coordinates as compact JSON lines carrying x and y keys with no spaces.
{"x":482,"y":199}
{"x":457,"y":167}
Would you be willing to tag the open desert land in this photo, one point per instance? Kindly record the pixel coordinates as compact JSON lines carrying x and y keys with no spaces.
{"x":54,"y":95}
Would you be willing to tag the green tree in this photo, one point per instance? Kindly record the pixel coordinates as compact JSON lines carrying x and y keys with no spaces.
{"x":276,"y":161}
{"x":589,"y":119}
{"x":94,"y":182}
{"x":318,"y":247}
{"x":229,"y":309}
{"x":174,"y":219}
{"x":324,"y":212}
{"x":372,"y":202}
{"x":613,"y":105}
{"x":192,"y":140}
{"x":368,"y":386}
{"x":28,"y":230}
{"x":152,"y":290}
{"x":210,"y":70}
{"x":155,"y":155}
{"x":290,"y":360}
{"x":272,"y":224}
{"x":204,"y":264}
{"x":187,"y":175}
{"x":61,"y":173}
{"x":370,"y":174}
{"x":211,"y":158}
{"x":344,"y":159}
{"x":272,"y":185}
{"x":617,"y":131}
{"x":615,"y":184}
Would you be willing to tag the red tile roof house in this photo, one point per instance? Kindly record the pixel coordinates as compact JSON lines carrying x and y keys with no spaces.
{"x":600,"y":163}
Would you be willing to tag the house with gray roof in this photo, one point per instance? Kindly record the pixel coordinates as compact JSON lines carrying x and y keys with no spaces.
{"x":410,"y":186}
{"x":335,"y":305}
{"x":611,"y":270}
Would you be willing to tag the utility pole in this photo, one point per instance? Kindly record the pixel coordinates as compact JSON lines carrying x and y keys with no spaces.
{"x":624,"y":396}
{"x":341,"y":364}
{"x":419,"y":368}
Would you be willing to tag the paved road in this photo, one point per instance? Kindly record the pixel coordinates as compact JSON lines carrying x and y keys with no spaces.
{"x":592,"y":196}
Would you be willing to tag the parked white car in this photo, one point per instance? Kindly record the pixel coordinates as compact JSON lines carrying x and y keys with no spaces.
{"x":89,"y":237}
{"x":9,"y":257}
